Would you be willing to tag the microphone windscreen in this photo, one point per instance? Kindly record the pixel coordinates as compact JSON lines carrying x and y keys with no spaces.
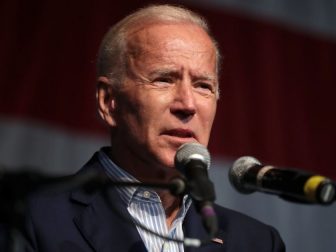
{"x":189,"y":151}
{"x":238,"y":171}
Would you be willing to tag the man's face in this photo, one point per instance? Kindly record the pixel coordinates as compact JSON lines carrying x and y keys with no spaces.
{"x":168,"y":96}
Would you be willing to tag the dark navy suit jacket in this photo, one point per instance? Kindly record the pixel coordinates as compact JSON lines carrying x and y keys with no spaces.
{"x":78,"y":221}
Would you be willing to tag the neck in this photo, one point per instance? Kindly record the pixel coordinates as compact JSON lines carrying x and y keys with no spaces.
{"x":145,"y":170}
{"x":171,"y":205}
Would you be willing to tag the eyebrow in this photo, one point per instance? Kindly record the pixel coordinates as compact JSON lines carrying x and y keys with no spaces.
{"x":165,"y":72}
{"x":206,"y":77}
{"x":177,"y":73}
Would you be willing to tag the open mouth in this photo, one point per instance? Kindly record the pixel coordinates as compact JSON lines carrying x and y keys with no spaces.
{"x":181,"y":133}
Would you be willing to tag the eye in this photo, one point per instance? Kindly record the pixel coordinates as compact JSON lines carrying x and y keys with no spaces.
{"x":205,"y":87}
{"x":163,"y":80}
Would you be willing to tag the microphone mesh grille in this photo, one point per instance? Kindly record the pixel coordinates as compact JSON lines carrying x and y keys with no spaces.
{"x":189,"y":151}
{"x":238,"y":171}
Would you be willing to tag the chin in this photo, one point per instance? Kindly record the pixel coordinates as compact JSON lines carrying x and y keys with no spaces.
{"x":166,"y":159}
{"x":165,"y":156}
{"x":168,"y":163}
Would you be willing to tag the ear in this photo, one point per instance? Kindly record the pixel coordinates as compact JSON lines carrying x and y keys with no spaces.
{"x":105,"y":96}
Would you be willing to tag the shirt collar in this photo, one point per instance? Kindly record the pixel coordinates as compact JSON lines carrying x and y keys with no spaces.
{"x":132,"y":193}
{"x":118,"y":174}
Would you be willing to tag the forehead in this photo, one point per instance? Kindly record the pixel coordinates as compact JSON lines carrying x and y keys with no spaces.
{"x":171,"y":41}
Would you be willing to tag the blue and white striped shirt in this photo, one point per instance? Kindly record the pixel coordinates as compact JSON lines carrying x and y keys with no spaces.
{"x":145,"y":207}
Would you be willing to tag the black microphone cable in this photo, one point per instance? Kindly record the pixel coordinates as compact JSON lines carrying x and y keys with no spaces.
{"x":91,"y":180}
{"x":190,"y":242}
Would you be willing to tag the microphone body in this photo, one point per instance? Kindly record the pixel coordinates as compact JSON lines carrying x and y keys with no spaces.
{"x":193,"y":160}
{"x":247,"y":175}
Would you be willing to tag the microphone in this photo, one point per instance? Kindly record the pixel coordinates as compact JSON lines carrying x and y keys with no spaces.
{"x":193,"y":160}
{"x":248,"y":175}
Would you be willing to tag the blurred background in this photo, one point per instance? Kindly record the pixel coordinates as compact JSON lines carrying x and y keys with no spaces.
{"x":278,"y":85}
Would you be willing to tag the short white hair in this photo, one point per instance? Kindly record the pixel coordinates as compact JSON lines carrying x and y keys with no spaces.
{"x":111,"y":56}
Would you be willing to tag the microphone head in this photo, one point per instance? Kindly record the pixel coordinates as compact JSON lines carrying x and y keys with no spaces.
{"x":238,"y":171}
{"x":191,"y":151}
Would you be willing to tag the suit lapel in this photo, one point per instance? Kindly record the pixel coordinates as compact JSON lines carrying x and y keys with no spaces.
{"x":105,"y":230}
{"x":193,"y":228}
{"x":101,"y":224}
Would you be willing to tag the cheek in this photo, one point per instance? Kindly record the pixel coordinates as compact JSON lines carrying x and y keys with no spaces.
{"x":209,"y":112}
{"x":150,"y":110}
{"x":155,"y":105}
{"x":129,"y":117}
{"x":207,"y":118}
{"x":213,"y":112}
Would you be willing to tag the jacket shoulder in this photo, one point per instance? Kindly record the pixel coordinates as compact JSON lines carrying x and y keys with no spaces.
{"x":244,"y":232}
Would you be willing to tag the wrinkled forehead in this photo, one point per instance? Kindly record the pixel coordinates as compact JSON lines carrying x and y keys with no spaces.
{"x":149,"y":33}
{"x":163,"y":39}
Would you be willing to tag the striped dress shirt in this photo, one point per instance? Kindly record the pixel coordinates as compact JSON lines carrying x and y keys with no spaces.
{"x":145,"y":207}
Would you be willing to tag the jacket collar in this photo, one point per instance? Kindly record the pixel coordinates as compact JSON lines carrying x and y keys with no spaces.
{"x":104,"y":225}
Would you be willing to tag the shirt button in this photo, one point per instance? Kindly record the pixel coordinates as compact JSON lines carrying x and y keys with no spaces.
{"x":146,"y":194}
{"x":166,"y":247}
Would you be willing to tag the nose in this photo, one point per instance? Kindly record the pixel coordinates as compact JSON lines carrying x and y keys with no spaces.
{"x":184,"y":104}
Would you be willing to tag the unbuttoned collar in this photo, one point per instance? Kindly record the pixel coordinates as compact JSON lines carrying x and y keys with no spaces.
{"x":130,"y":194}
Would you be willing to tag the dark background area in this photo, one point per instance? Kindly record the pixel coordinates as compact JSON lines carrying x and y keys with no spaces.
{"x":277,"y":84}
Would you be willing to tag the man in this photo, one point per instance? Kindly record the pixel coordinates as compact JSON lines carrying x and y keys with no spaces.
{"x":157,"y":89}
